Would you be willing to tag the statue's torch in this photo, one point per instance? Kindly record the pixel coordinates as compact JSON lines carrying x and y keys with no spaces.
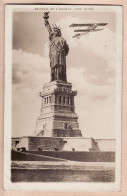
{"x":46,"y":16}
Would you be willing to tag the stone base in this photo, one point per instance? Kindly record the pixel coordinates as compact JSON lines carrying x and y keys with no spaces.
{"x":32,"y":143}
{"x":58,"y":117}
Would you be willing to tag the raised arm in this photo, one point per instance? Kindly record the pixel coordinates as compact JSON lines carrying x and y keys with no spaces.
{"x":48,"y":26}
{"x":47,"y":22}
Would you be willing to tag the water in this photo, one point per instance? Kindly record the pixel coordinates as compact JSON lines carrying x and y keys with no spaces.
{"x":51,"y":175}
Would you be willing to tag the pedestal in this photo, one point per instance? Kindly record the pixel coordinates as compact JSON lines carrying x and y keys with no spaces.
{"x":58,"y":117}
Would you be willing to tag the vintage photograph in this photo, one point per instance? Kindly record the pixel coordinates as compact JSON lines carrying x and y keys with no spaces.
{"x":63,"y":68}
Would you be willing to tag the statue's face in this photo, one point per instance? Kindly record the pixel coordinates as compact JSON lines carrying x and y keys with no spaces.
{"x":56,"y":33}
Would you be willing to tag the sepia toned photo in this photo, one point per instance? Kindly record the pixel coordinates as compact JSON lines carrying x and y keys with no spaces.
{"x":63,"y":72}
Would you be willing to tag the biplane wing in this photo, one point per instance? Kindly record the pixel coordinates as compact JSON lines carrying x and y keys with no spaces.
{"x":89,"y":25}
{"x":77,"y":35}
{"x":87,"y":30}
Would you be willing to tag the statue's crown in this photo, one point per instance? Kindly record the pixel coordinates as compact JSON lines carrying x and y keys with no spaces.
{"x":56,"y":27}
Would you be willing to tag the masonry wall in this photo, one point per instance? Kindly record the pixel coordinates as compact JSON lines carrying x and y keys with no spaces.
{"x":63,"y":144}
{"x":67,"y":155}
{"x":80,"y":156}
{"x":106,"y":145}
{"x":45,"y":143}
{"x":21,"y":142}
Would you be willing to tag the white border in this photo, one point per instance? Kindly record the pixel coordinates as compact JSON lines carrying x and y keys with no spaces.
{"x":8,"y":185}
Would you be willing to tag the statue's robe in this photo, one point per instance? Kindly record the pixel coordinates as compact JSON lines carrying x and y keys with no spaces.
{"x":58,"y":51}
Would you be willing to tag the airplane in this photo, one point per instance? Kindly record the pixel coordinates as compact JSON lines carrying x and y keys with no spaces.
{"x":90,"y":28}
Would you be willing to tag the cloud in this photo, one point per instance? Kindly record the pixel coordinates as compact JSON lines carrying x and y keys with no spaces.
{"x":90,"y":69}
{"x":94,"y":51}
{"x":28,"y":32}
{"x":28,"y":67}
{"x":95,"y":105}
{"x":80,"y":82}
{"x":30,"y":72}
{"x":102,"y":42}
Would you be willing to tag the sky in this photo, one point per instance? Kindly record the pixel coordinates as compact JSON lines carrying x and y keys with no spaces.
{"x":91,"y":68}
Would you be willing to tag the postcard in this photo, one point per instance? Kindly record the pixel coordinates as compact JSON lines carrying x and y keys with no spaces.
{"x":63,"y":73}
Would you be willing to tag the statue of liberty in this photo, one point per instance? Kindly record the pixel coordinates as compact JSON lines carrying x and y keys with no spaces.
{"x":58,"y":50}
